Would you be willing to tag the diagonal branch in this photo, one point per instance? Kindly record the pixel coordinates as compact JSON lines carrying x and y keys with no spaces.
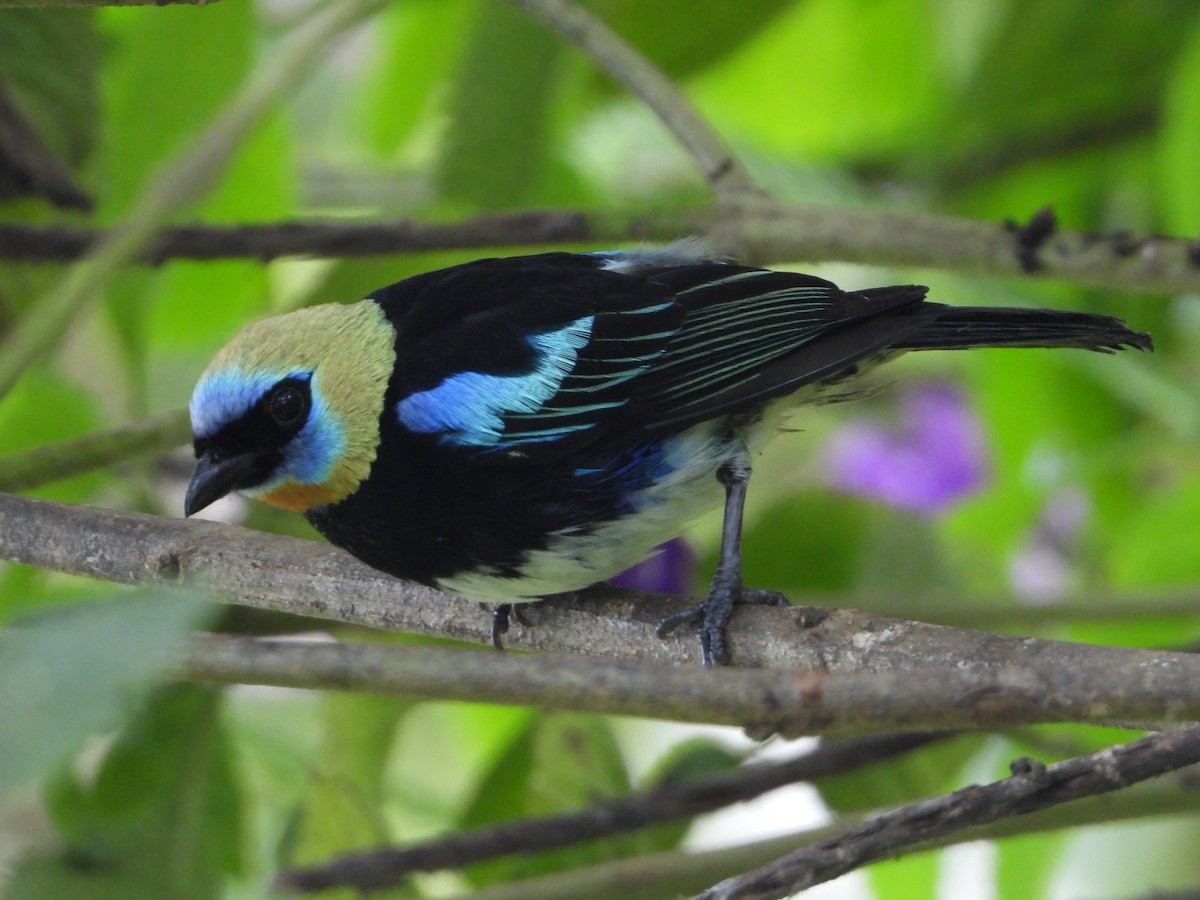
{"x":1032,"y":787}
{"x":674,"y":873}
{"x":387,"y":867}
{"x":711,"y":155}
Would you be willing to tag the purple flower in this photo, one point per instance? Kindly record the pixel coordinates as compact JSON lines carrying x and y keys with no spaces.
{"x":670,"y":571}
{"x":931,"y":461}
{"x":1047,"y":566}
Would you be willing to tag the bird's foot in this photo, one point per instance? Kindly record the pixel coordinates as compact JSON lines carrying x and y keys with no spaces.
{"x":502,"y":616}
{"x":714,"y":613}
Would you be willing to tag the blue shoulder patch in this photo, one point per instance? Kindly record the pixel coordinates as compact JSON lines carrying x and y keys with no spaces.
{"x":469,"y":408}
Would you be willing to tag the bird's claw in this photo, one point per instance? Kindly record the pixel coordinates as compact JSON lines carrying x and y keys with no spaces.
{"x":760,"y":597}
{"x":502,"y":615}
{"x":713,"y":616}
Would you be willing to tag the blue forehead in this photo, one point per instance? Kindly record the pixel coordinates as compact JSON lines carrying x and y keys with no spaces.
{"x":225,"y":396}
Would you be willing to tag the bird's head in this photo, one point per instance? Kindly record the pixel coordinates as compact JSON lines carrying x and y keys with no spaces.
{"x":288,"y":411}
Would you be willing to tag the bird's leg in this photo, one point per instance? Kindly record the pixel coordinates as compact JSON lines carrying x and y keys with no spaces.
{"x":726,"y":587}
{"x":502,"y":614}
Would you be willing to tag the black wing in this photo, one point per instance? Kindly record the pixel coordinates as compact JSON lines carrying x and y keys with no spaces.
{"x":529,"y":357}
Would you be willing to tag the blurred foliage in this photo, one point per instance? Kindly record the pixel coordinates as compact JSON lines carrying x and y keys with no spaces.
{"x":444,"y":108}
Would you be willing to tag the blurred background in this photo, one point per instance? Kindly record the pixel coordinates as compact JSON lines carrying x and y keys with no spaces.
{"x":1048,"y":494}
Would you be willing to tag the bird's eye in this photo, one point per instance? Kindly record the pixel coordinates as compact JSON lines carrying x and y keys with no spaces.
{"x":286,"y":405}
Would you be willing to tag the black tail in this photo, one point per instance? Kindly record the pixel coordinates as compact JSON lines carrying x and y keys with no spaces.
{"x":966,"y":327}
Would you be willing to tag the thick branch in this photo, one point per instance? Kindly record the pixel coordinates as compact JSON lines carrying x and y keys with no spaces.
{"x":387,"y":867}
{"x":640,"y":77}
{"x":758,"y":231}
{"x":53,"y":462}
{"x":764,"y":701}
{"x":1032,"y":787}
{"x":951,"y":677}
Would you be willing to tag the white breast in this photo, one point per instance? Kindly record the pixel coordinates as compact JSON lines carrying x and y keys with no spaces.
{"x":575,"y":561}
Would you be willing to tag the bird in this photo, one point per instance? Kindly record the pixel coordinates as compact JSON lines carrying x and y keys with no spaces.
{"x":513,"y":428}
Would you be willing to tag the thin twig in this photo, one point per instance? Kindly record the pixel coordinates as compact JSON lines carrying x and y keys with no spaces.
{"x":53,"y":462}
{"x":344,"y":239}
{"x":760,"y":232}
{"x":674,"y":873}
{"x":711,"y":155}
{"x":387,"y":867}
{"x":177,"y":184}
{"x":1032,"y":787}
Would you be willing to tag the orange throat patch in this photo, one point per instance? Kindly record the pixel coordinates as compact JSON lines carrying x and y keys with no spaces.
{"x":296,"y":497}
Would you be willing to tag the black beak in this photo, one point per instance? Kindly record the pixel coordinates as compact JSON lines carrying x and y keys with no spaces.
{"x":212,"y":480}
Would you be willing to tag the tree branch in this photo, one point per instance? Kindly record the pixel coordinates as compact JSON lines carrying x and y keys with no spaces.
{"x":758,"y":231}
{"x":1032,"y":787}
{"x":52,"y":462}
{"x":67,"y":4}
{"x":675,"y":872}
{"x":763,"y":701}
{"x":868,"y":673}
{"x":711,"y":155}
{"x":340,"y":238}
{"x":178,"y":183}
{"x":387,"y":867}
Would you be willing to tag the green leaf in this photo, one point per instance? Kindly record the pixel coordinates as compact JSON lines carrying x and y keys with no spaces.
{"x":342,"y":810}
{"x":149,"y":117}
{"x":914,"y":875}
{"x":927,"y":772}
{"x":161,"y":817}
{"x":502,"y":110}
{"x":688,"y":761}
{"x":829,"y":79}
{"x":1156,"y":546}
{"x":825,"y":538}
{"x":197,"y":307}
{"x":422,"y":42}
{"x":1179,"y":136}
{"x":50,"y":64}
{"x":1006,"y":113}
{"x":73,"y":671}
{"x":561,"y":763}
{"x":718,"y":31}
{"x":41,"y":409}
{"x":1026,"y":865}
